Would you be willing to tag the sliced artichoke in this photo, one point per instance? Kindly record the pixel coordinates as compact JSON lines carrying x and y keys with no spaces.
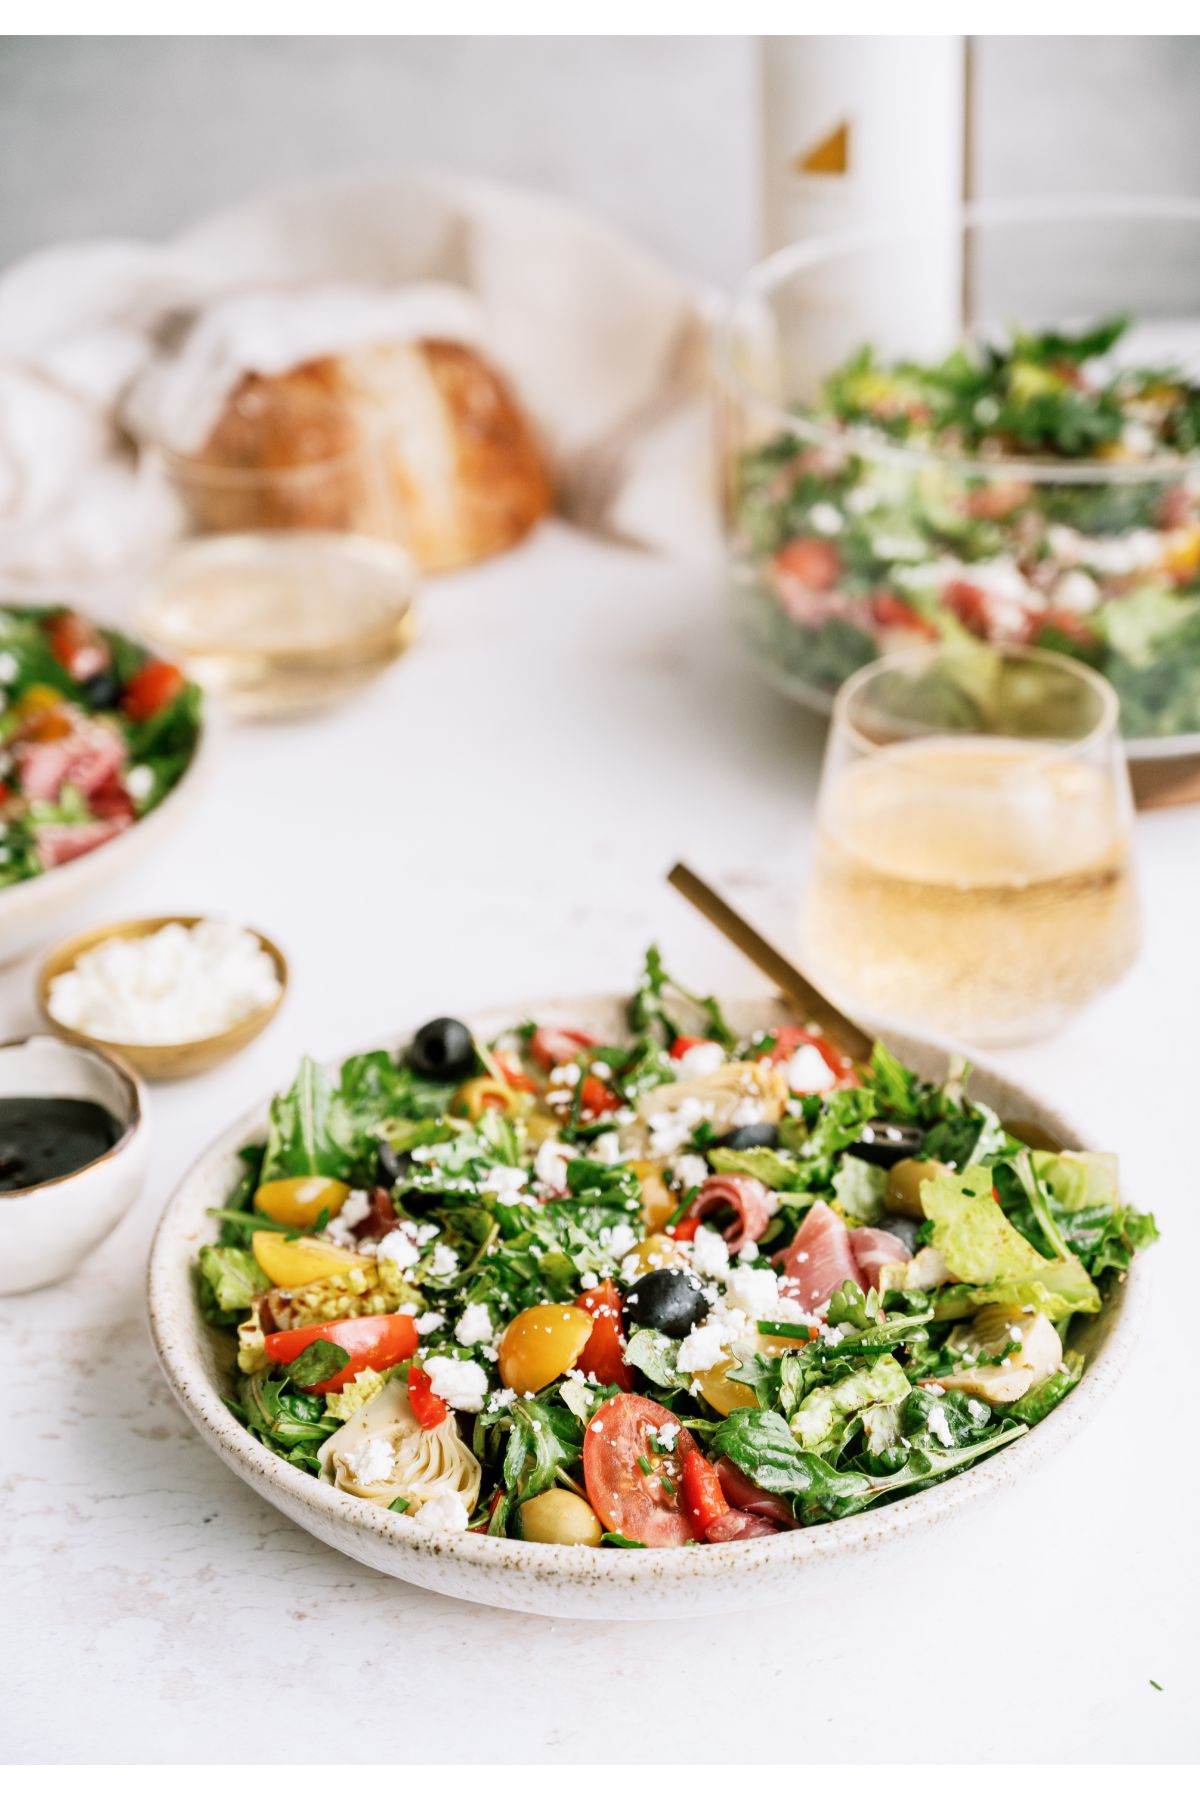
{"x":1028,"y":1341}
{"x":382,"y":1454}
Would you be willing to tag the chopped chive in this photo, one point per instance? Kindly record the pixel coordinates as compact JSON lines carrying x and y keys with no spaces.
{"x":1156,"y":1684}
{"x":398,"y":1505}
{"x":644,"y":1466}
{"x":668,"y":1484}
{"x":776,"y":1328}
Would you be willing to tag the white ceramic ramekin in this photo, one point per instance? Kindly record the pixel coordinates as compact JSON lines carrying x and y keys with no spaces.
{"x":47,"y":1230}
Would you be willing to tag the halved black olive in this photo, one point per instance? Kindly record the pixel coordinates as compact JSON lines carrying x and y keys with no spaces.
{"x":883,"y":1142}
{"x":443,"y":1050}
{"x":749,"y":1137}
{"x":103,"y":691}
{"x":670,"y":1300}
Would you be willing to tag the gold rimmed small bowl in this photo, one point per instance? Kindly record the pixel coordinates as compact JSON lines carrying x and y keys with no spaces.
{"x":159,"y":1062}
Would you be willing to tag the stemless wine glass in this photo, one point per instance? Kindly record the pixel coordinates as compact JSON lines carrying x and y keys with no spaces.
{"x":973,"y":869}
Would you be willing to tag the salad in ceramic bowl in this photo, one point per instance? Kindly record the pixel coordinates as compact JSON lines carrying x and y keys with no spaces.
{"x":95,"y":732}
{"x":680,"y":1284}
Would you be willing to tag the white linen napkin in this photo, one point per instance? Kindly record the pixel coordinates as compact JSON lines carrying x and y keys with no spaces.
{"x":102,"y":344}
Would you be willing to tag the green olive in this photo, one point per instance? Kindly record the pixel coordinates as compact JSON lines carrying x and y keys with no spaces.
{"x":905,"y":1181}
{"x":559,"y":1517}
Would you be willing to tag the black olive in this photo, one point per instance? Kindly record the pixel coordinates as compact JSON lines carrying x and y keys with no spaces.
{"x":670,"y":1300}
{"x":443,"y":1050}
{"x":390,"y":1165}
{"x":103,"y":692}
{"x":883,"y":1142}
{"x":749,"y":1137}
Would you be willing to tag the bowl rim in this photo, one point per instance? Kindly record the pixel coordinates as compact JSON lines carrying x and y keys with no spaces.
{"x":130,"y":1081}
{"x":64,"y":955}
{"x":170,"y":1290}
{"x":80,"y":872}
{"x":811,"y":252}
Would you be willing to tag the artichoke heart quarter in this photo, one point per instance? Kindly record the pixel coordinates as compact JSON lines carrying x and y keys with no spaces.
{"x":382,"y":1454}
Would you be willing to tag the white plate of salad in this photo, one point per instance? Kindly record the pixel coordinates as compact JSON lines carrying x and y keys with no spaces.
{"x":641,"y":1305}
{"x":98,"y":740}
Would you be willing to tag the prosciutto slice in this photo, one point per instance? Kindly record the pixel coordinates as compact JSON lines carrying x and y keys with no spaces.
{"x":746,"y":1496}
{"x":87,"y":758}
{"x":735,"y":1527}
{"x":819,"y":1258}
{"x":57,"y":844}
{"x":873,"y":1249}
{"x":749,"y":1198}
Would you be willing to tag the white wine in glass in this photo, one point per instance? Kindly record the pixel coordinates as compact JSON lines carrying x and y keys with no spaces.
{"x":972,"y":868}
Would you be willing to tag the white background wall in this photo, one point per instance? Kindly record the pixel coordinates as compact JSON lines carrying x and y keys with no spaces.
{"x":120,"y":135}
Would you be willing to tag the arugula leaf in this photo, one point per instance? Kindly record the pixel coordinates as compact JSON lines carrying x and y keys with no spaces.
{"x":1032,"y":1407}
{"x":318,"y":1361}
{"x":648,"y":1007}
{"x":301,"y":1139}
{"x":542,"y":1439}
{"x":230,"y":1281}
{"x":289,"y":1422}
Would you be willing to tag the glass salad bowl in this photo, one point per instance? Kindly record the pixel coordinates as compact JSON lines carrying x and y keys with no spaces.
{"x":986,"y":429}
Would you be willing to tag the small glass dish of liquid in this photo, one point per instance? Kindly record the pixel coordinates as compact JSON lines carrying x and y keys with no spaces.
{"x":973,"y":869}
{"x":74,"y":1147}
{"x":290,"y":589}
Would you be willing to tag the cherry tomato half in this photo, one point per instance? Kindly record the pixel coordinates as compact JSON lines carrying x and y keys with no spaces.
{"x":596,"y":1097}
{"x":790,"y":1038}
{"x":603,"y":1356}
{"x":376,"y":1343}
{"x":632,"y":1482}
{"x":154,"y":686}
{"x":550,"y":1045}
{"x":78,"y":647}
{"x":703,"y":1497}
{"x":429,"y":1409}
{"x":812,"y":561}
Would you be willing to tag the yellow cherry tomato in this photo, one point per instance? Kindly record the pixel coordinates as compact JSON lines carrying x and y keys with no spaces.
{"x":559,"y":1517}
{"x":905,"y":1180}
{"x":658,"y":1202}
{"x":724,"y":1394}
{"x":541,"y":1344}
{"x":290,"y":1263}
{"x":656,"y":1252}
{"x":301,"y":1199}
{"x":40,"y":698}
{"x":483,"y":1093}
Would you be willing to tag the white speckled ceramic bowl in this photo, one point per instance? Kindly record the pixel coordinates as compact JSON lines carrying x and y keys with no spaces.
{"x":546,"y":1578}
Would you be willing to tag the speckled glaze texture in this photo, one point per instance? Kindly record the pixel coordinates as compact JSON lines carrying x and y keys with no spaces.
{"x":579,"y":1583}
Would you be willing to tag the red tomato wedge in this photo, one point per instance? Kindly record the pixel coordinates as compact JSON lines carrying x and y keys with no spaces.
{"x":790,"y":1038}
{"x":154,"y":686}
{"x":603,"y":1356}
{"x":632,"y":1482}
{"x":812,"y":561}
{"x":377,"y":1343}
{"x":703,"y":1497}
{"x":516,"y":1078}
{"x":550,"y":1045}
{"x":78,"y":646}
{"x":595,"y":1097}
{"x":429,"y":1409}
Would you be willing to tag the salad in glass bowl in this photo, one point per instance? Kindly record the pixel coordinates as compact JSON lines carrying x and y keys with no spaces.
{"x":676,"y":1290}
{"x":94,"y":733}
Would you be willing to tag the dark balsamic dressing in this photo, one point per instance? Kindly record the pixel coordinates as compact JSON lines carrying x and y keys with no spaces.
{"x":44,"y":1138}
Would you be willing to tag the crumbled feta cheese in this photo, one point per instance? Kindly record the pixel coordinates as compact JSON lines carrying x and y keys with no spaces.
{"x":400,"y":1247}
{"x":139,"y":782}
{"x":670,"y":1131}
{"x":355,"y":1208}
{"x":445,"y":1512}
{"x":429,"y":1321}
{"x":475,"y":1326}
{"x":753,"y":1291}
{"x":825,"y":518}
{"x":977,"y":1410}
{"x":178,"y":983}
{"x":589,"y":1279}
{"x":617,"y":1240}
{"x":748,"y":1253}
{"x":601,"y":1070}
{"x":565,"y":1075}
{"x":462,"y":1385}
{"x":1076,"y":592}
{"x":606,"y":1148}
{"x":444,"y":1261}
{"x":503,"y":1181}
{"x":807,"y":1071}
{"x":701,"y":1059}
{"x":550,"y":1164}
{"x":689,"y":1171}
{"x":667,"y":1435}
{"x":710,"y":1253}
{"x":747,"y":1112}
{"x":702,"y":1348}
{"x":369,"y":1462}
{"x":939,"y":1424}
{"x":10,"y":668}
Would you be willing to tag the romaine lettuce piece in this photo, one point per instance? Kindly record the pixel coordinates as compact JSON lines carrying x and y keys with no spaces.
{"x":986,"y":1252}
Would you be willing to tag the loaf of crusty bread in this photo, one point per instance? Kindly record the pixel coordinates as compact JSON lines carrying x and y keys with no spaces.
{"x":420,"y":441}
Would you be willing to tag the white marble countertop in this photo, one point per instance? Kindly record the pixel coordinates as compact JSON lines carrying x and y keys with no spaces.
{"x":493,"y":821}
